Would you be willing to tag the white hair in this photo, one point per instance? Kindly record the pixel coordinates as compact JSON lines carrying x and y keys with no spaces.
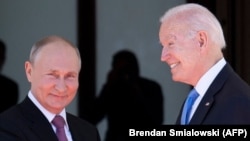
{"x":197,"y":18}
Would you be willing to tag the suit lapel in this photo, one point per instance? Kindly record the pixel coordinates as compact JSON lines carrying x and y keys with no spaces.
{"x":37,"y":122}
{"x":208,"y":99}
{"x":76,"y":131}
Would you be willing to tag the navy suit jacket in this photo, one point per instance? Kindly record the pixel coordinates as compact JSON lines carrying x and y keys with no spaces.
{"x":25,"y":122}
{"x":226,"y":102}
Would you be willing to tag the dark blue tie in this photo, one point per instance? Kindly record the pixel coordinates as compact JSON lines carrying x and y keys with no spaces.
{"x":188,"y":106}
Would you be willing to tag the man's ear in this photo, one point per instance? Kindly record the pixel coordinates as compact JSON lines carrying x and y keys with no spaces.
{"x":28,"y":69}
{"x":202,"y":38}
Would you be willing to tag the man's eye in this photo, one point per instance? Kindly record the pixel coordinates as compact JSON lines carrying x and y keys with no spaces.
{"x":170,"y":43}
{"x":52,"y":75}
{"x":71,"y":76}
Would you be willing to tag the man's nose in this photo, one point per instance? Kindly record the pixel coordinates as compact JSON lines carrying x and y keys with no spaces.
{"x":60,"y":85}
{"x":164,"y":54}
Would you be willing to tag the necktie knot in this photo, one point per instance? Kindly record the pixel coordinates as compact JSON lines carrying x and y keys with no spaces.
{"x":58,"y":121}
{"x":192,"y":96}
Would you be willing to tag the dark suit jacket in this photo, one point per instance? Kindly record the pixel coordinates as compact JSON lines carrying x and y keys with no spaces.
{"x":25,"y":122}
{"x":227,"y":101}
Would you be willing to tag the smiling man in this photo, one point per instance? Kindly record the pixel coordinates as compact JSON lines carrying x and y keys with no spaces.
{"x":52,"y":70}
{"x":192,"y":41}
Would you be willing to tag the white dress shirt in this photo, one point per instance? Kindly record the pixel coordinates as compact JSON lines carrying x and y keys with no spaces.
{"x":205,"y":81}
{"x":50,"y":116}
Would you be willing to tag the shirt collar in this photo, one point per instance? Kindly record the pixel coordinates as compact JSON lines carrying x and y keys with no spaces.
{"x":45,"y":112}
{"x":206,"y":80}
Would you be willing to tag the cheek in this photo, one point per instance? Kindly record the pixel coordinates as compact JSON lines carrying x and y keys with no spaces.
{"x":72,"y":91}
{"x":187,"y":60}
{"x":190,"y":61}
{"x":72,"y":85}
{"x":47,"y":81}
{"x":186,"y":56}
{"x":39,"y":81}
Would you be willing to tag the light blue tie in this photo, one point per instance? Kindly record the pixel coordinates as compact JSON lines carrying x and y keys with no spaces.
{"x":188,"y":106}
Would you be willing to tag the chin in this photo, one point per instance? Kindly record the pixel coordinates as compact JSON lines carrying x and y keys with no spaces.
{"x":177,"y":79}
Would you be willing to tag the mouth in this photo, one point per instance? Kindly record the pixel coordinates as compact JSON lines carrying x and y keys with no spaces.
{"x":173,"y":65}
{"x":59,"y":95}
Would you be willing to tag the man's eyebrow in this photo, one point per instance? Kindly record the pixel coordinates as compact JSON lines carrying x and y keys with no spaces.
{"x":170,"y":36}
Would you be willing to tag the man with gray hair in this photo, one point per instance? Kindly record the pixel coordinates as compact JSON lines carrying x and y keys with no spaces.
{"x":192,"y":41}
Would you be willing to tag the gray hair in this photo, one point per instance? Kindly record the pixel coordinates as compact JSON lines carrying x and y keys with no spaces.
{"x":46,"y":40}
{"x":197,"y":18}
